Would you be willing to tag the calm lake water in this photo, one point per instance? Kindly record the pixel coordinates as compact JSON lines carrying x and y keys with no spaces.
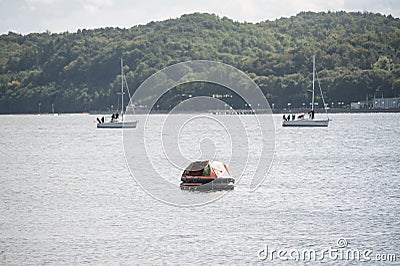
{"x":67,"y":197}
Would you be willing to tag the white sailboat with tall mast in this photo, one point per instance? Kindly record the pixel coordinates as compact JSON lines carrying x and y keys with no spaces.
{"x":310,"y":121}
{"x":117,"y":120}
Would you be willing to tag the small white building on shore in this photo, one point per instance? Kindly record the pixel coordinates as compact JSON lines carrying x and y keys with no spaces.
{"x":386,"y":103}
{"x":377,"y":103}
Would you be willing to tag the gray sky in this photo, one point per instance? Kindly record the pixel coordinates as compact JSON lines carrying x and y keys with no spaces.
{"x":25,"y":16}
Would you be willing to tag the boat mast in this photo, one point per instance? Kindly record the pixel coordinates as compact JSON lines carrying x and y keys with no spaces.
{"x":122,"y":89}
{"x":313,"y":85}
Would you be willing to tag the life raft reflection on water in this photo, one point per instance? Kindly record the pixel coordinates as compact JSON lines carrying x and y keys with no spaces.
{"x":205,"y":175}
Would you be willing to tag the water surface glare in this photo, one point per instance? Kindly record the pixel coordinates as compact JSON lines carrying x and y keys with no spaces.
{"x":67,"y":197}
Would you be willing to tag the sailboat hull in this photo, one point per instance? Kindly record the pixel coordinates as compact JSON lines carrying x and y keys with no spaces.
{"x":117,"y":125}
{"x":306,"y":123}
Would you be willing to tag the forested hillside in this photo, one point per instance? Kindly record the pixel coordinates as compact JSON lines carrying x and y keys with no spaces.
{"x":357,"y":56}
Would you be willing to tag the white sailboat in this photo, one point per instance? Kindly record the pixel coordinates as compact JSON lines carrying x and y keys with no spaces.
{"x":303,"y":121}
{"x":117,"y":120}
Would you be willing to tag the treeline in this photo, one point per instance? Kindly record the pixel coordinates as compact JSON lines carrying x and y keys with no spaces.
{"x":357,"y":57}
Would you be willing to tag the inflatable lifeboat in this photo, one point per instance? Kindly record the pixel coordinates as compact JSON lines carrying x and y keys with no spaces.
{"x":205,"y":175}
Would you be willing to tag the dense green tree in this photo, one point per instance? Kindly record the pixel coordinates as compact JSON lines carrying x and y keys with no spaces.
{"x":358,"y":56}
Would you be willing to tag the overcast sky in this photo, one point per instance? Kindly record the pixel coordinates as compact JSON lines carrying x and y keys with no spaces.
{"x":25,"y":16}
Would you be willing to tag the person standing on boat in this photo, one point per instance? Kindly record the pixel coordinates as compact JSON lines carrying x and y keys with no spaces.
{"x":311,"y":113}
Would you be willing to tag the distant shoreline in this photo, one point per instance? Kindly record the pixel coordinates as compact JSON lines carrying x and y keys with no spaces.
{"x":337,"y":110}
{"x":275,"y":111}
